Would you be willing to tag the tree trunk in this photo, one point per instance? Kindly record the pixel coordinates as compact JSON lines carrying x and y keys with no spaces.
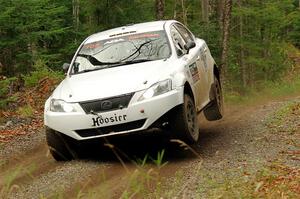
{"x":184,"y":13}
{"x":205,"y":12}
{"x":180,"y":11}
{"x":75,"y":4}
{"x":107,"y":14}
{"x":160,"y":8}
{"x":225,"y":38}
{"x":242,"y":65}
{"x":220,"y":11}
{"x":175,"y":10}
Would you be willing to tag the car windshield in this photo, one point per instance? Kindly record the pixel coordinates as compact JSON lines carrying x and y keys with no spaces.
{"x":114,"y":52}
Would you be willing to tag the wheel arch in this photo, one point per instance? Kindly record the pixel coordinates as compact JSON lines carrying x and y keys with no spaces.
{"x":188,"y":90}
{"x":216,"y":72}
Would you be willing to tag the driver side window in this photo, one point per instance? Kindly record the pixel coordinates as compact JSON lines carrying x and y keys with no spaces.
{"x":187,"y":36}
{"x":178,"y":41}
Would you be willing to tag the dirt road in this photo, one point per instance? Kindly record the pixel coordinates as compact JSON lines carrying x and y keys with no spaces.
{"x":224,"y":164}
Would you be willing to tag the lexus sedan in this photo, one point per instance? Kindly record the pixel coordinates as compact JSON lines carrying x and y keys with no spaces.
{"x":130,"y":79}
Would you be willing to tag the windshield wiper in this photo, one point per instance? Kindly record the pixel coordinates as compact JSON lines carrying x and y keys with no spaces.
{"x":94,"y":61}
{"x":115,"y":64}
{"x":121,"y":63}
{"x":110,"y":65}
{"x":134,"y":61}
{"x":90,"y":69}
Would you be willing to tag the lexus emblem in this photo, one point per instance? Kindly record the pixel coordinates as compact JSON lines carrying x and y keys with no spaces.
{"x":106,"y":105}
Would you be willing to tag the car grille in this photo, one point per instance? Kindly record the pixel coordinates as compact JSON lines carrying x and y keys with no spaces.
{"x":108,"y":129}
{"x":107,"y":104}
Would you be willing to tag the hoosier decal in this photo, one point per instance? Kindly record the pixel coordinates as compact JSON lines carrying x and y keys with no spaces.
{"x":98,"y":121}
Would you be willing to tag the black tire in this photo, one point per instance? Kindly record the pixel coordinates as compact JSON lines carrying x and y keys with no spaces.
{"x":184,"y":121}
{"x":215,"y":109}
{"x":60,"y":146}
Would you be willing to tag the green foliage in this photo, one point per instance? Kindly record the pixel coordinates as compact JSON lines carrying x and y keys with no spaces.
{"x":100,"y":15}
{"x":40,"y":71}
{"x":4,"y":102}
{"x":211,"y":33}
{"x":264,"y":90}
{"x":30,"y":29}
{"x":25,"y":111}
{"x":8,"y":186}
{"x":159,"y":159}
{"x":50,"y":30}
{"x":5,"y":98}
{"x":142,"y":162}
{"x":141,"y":183}
{"x":258,"y":40}
{"x":4,"y":86}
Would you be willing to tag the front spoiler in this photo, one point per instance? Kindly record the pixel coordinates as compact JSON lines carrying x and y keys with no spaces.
{"x":149,"y":111}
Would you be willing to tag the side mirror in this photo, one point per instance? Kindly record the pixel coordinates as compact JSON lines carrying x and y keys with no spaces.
{"x":179,"y":52}
{"x":65,"y":67}
{"x":189,"y":45}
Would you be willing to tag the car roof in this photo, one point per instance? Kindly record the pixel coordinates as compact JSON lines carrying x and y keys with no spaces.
{"x":129,"y":29}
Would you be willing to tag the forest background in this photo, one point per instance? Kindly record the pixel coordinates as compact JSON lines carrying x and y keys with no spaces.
{"x":255,"y":42}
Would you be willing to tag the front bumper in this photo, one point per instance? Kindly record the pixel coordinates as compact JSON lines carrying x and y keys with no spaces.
{"x":138,"y":116}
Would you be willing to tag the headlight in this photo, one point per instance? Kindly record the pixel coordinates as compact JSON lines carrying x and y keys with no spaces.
{"x":61,"y":106}
{"x":157,"y":89}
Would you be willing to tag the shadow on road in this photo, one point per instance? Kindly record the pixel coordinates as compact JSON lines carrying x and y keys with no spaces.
{"x":137,"y":146}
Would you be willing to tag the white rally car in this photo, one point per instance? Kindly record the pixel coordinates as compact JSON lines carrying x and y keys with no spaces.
{"x":130,"y":79}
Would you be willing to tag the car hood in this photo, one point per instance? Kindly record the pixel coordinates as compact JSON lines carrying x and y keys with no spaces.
{"x":112,"y":81}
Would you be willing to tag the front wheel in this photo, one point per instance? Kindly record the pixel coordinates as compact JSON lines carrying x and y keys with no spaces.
{"x":60,"y":146}
{"x":184,"y":121}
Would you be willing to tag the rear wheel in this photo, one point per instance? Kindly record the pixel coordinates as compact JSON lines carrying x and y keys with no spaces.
{"x":215,"y":110}
{"x":184,"y":121}
{"x":60,"y":146}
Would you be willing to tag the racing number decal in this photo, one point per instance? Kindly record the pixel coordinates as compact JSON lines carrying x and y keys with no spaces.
{"x":194,"y":71}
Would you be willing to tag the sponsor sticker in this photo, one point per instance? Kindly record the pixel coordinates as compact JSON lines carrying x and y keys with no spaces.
{"x":100,"y":120}
{"x":194,"y":71}
{"x":92,"y":45}
{"x":114,"y":41}
{"x":147,"y":35}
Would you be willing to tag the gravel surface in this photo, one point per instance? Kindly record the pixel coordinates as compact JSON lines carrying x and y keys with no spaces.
{"x":56,"y":181}
{"x":239,"y":143}
{"x":21,"y":144}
